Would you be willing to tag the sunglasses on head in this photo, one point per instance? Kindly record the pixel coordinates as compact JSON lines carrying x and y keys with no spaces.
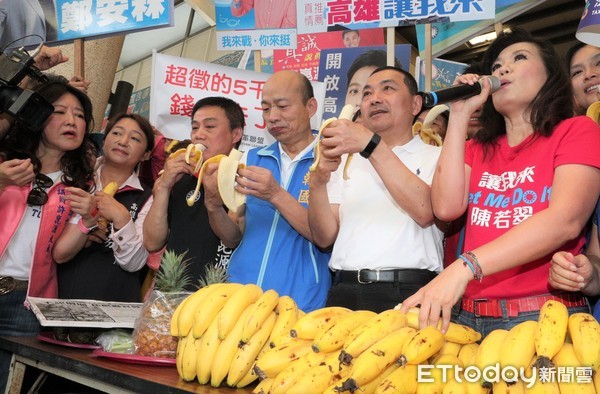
{"x":38,"y":195}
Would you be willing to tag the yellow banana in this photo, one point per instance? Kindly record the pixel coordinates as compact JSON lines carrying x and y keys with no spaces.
{"x":549,"y":386}
{"x":246,"y":355}
{"x":518,"y":347}
{"x":210,"y":306}
{"x":287,"y":315}
{"x":209,"y":343}
{"x":189,"y":357}
{"x":424,"y":344}
{"x":402,"y":380}
{"x":475,"y":387}
{"x":111,"y":190}
{"x":226,"y":351}
{"x":285,"y":378}
{"x":263,"y":387}
{"x":247,"y":379}
{"x":467,"y":352}
{"x":349,"y":385}
{"x":503,"y":387}
{"x":179,"y":355}
{"x":174,"y":327}
{"x":457,"y":333}
{"x":316,"y":379}
{"x":452,"y":387}
{"x":334,"y":337}
{"x":261,"y":310}
{"x":426,"y":133}
{"x":346,"y":113}
{"x":593,"y":111}
{"x":370,"y":332}
{"x":584,"y":331}
{"x":488,"y":353}
{"x":189,"y":306}
{"x":228,"y":167}
{"x":597,"y":380}
{"x":379,"y":356}
{"x":215,"y":159}
{"x":275,"y":360}
{"x":309,"y":325}
{"x":567,"y":358}
{"x":551,"y":332}
{"x":450,"y":348}
{"x":235,"y":306}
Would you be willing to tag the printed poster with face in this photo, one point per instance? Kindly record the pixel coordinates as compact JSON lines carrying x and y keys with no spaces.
{"x":344,"y":71}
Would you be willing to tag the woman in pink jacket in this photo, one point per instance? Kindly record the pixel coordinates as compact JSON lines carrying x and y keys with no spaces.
{"x":35,"y":168}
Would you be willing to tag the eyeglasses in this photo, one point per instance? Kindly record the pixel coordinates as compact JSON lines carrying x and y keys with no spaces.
{"x":37,"y":195}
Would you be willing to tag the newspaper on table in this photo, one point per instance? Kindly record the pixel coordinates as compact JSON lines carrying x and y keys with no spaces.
{"x":53,"y":312}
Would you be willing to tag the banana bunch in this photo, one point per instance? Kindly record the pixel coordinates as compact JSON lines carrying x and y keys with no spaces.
{"x":593,"y":111}
{"x":228,"y":167}
{"x":346,"y":113}
{"x":224,"y":327}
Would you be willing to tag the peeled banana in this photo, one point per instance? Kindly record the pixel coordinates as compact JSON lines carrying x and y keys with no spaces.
{"x":228,"y":167}
{"x":346,"y":113}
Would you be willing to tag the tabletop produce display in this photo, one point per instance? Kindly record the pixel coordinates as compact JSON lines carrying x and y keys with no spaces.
{"x":232,"y":334}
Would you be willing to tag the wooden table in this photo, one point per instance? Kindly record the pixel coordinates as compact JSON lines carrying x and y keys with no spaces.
{"x":80,"y":365}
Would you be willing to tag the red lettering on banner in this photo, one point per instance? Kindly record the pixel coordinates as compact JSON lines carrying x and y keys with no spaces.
{"x":366,"y":10}
{"x":176,"y":75}
{"x":263,"y":125}
{"x":239,"y":87}
{"x":181,"y":105}
{"x":257,"y":86}
{"x":339,"y":12}
{"x":221,"y":83}
{"x":199,"y":79}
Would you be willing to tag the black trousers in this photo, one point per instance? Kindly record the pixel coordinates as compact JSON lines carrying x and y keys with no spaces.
{"x":376,"y":297}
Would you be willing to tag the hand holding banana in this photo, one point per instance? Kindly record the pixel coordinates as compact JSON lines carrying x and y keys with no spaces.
{"x":346,"y":113}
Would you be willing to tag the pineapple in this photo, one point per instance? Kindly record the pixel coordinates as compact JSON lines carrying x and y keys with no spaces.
{"x":152,"y":334}
{"x":214,"y":273}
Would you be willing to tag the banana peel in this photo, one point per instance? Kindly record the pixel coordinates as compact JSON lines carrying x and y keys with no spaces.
{"x":593,"y":112}
{"x":110,"y":189}
{"x":424,"y":130}
{"x":346,"y":113}
{"x":215,"y":159}
{"x":228,"y":168}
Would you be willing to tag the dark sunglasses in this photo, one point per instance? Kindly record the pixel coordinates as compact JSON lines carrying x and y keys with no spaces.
{"x":37,"y":195}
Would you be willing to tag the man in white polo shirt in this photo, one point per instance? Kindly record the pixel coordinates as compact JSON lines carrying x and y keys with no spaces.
{"x":386,"y":244}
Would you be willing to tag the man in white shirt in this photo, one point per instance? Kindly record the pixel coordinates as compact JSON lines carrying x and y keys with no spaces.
{"x":380,"y":221}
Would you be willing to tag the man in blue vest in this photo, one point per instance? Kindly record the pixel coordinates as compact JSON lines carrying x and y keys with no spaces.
{"x":274,"y":243}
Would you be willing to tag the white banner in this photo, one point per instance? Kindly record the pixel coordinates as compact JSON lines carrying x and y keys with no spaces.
{"x":178,"y":83}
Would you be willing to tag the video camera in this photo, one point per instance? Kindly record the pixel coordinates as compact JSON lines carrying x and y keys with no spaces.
{"x":26,"y":106}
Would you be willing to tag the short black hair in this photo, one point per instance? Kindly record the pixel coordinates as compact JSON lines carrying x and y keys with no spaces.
{"x":142,"y":122}
{"x":232,"y":109}
{"x":370,"y":58}
{"x":409,"y":80}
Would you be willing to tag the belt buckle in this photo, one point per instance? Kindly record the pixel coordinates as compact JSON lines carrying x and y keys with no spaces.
{"x":475,"y":302}
{"x":7,"y":284}
{"x":366,"y":282}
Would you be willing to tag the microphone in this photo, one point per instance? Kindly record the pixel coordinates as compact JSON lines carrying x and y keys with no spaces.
{"x":458,"y":92}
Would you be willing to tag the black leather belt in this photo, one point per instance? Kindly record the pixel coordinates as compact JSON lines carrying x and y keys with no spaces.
{"x":385,"y":276}
{"x":8,"y":284}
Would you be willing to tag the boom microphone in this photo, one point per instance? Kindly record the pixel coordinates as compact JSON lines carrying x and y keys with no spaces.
{"x":458,"y":92}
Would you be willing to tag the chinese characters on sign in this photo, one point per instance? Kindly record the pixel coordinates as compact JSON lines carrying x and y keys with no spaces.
{"x":177,"y":84}
{"x":320,"y":15}
{"x":84,"y":18}
{"x":256,"y":39}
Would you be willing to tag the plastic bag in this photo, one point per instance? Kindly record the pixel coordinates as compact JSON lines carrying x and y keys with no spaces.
{"x":152,"y":332}
{"x":116,"y":341}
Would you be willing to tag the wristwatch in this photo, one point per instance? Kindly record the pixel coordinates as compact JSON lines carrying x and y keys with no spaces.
{"x":371,"y":146}
{"x":84,"y":229}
